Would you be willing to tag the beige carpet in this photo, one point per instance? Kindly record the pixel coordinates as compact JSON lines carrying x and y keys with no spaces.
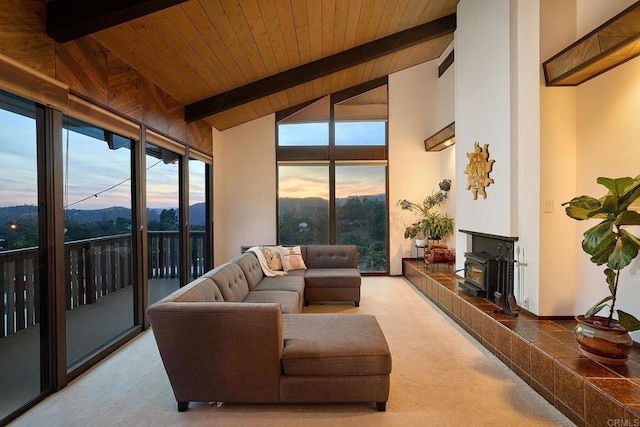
{"x":441,"y":377}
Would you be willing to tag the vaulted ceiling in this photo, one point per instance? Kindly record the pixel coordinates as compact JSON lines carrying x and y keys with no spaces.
{"x":232,"y":61}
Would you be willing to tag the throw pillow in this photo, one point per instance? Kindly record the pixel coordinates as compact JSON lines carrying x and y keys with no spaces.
{"x":292,"y":258}
{"x":272,"y":256}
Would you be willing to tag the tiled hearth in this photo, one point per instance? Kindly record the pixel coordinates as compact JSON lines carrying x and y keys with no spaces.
{"x":543,"y":353}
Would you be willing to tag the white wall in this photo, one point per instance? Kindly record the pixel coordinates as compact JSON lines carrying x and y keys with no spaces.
{"x":483,"y":114}
{"x":420,"y":104}
{"x":558,"y":247}
{"x":587,"y":131}
{"x":497,"y":103}
{"x":608,"y":145}
{"x":244,"y":187}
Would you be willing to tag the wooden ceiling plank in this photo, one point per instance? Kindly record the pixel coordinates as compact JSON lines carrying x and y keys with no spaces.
{"x":126,"y":44}
{"x":172,"y":31}
{"x":316,"y":69}
{"x":70,"y":19}
{"x":161,"y":49}
{"x":369,"y":68}
{"x":352,"y":74}
{"x":434,"y":8}
{"x":257,"y":29}
{"x":275,"y":36}
{"x":301,"y":25}
{"x":339,"y":79}
{"x":190,"y":43}
{"x":328,"y":18}
{"x":363,"y":21}
{"x":340,"y":27}
{"x":388,"y":12}
{"x":353,"y":16}
{"x":314,"y":9}
{"x":378,"y":66}
{"x":235,"y":38}
{"x":226,"y":66}
{"x":288,"y":33}
{"x":373,"y":29}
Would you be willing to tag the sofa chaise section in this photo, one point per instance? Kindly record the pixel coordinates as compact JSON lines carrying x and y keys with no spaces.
{"x":251,"y":353}
{"x":334,"y":358}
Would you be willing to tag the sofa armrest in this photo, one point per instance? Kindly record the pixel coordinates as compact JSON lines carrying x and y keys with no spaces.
{"x":220,"y":351}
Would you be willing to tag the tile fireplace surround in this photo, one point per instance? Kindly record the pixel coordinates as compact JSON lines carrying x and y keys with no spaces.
{"x":543,"y":353}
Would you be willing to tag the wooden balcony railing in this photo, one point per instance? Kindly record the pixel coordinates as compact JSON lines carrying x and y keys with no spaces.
{"x":94,"y":268}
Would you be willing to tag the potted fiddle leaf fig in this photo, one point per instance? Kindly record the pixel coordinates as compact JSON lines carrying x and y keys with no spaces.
{"x":431,"y":223}
{"x":610,"y":243}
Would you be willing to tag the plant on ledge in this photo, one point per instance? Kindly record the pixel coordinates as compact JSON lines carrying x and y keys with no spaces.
{"x":433,"y":225}
{"x":610,"y":243}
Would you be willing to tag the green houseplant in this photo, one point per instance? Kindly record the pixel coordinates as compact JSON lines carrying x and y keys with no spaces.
{"x":609,"y":242}
{"x":431,"y":224}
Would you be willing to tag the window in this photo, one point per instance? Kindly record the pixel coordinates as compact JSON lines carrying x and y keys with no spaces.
{"x":361,"y":133}
{"x":163,"y":231}
{"x":303,"y":134}
{"x":198,"y":242}
{"x":303,"y":204}
{"x":20,"y":375}
{"x":361,"y":210}
{"x":332,"y":174}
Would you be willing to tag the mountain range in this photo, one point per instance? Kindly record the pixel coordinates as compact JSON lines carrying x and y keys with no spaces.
{"x":13,"y":213}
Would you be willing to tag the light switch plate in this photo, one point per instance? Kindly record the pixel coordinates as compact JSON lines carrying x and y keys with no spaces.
{"x":548,"y":206}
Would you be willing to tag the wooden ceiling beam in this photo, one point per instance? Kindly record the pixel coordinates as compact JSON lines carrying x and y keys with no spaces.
{"x":319,"y":68}
{"x":70,"y":19}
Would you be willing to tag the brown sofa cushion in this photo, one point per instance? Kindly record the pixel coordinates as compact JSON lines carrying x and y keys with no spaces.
{"x":282,"y":283}
{"x":334,"y":345}
{"x":231,"y":281}
{"x":333,"y":277}
{"x":201,"y":290}
{"x":289,"y":301}
{"x":331,"y":256}
{"x":250,"y":266}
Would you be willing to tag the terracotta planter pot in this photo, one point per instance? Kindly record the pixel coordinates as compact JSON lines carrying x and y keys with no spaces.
{"x":608,"y":345}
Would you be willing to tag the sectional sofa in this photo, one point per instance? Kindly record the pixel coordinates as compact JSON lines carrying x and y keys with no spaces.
{"x":330,"y":274}
{"x":236,"y":335}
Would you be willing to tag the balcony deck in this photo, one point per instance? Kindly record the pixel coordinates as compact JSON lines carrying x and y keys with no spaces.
{"x":92,"y":326}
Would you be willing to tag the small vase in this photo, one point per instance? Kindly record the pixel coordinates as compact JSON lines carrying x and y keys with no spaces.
{"x":607,"y":345}
{"x":420,"y":243}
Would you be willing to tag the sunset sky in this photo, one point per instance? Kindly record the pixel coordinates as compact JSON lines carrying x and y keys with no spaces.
{"x":313,"y":181}
{"x":92,"y":168}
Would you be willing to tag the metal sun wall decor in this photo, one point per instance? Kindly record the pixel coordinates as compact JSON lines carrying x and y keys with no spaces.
{"x":478,"y":170}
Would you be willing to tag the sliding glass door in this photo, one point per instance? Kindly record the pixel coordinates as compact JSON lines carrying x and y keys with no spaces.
{"x":20,"y":293}
{"x":98,"y":238}
{"x":163,"y":231}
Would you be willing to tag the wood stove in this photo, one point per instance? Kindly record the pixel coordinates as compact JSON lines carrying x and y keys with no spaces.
{"x":480,"y":274}
{"x":489,"y":267}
